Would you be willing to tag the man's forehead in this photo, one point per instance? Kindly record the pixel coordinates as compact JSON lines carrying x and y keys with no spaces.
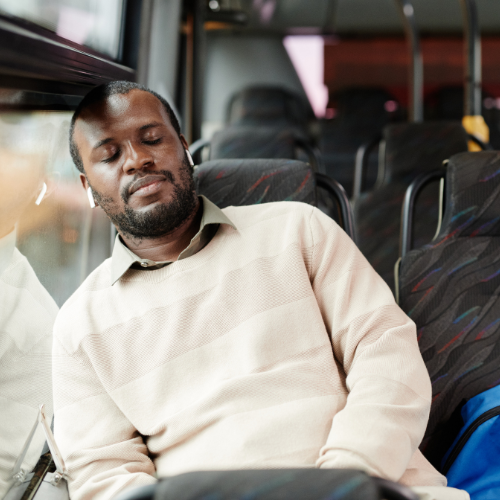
{"x":121,"y":110}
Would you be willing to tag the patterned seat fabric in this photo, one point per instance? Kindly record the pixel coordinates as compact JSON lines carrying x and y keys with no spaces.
{"x":273,"y":106}
{"x":249,"y":182}
{"x":411,"y":149}
{"x":451,"y":288}
{"x":240,"y":141}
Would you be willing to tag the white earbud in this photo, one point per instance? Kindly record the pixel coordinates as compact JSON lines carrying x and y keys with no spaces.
{"x":41,"y":195}
{"x":91,"y":197}
{"x":190,"y":158}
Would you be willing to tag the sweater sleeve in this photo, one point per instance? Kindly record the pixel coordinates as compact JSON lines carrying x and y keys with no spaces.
{"x":103,"y":452}
{"x":389,"y":391}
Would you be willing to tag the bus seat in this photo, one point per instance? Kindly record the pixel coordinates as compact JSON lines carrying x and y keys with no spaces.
{"x":360,"y":114}
{"x":410,"y":149}
{"x":252,"y":181}
{"x":269,"y":105}
{"x":272,"y":484}
{"x":244,"y":141}
{"x":450,"y":288}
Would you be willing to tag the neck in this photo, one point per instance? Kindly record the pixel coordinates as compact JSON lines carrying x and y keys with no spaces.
{"x":169,"y":246}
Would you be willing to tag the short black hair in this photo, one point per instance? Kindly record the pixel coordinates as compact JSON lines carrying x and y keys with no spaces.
{"x":100,"y":94}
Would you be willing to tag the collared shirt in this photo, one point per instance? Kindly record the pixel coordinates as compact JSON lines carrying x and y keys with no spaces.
{"x":123,"y":258}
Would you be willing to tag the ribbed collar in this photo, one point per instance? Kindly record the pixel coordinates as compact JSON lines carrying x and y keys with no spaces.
{"x":123,"y":258}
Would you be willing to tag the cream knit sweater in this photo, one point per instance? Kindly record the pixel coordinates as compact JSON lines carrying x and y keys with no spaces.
{"x":224,"y":360}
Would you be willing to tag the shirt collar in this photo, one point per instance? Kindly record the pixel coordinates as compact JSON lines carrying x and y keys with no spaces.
{"x":123,"y":258}
{"x":7,"y":245}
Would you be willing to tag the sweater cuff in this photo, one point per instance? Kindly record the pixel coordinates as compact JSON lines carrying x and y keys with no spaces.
{"x":343,"y":459}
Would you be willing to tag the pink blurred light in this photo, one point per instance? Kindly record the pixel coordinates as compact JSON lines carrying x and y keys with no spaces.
{"x":307,"y":55}
{"x":75,"y":24}
{"x":390,"y":106}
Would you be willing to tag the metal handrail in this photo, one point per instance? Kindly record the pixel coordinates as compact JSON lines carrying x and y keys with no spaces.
{"x":408,"y":209}
{"x":472,"y":90}
{"x":314,"y":155}
{"x":361,"y":162}
{"x":336,"y":189}
{"x":196,"y":148}
{"x":416,"y":73}
{"x":485,"y":146}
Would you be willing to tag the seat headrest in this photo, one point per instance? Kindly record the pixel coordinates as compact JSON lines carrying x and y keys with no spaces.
{"x":268,"y":105}
{"x":414,"y":148}
{"x":472,"y":199}
{"x":249,"y":182}
{"x":238,"y":141}
{"x":362,"y":102}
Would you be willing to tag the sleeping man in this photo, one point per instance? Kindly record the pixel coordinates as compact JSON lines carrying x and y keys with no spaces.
{"x":248,"y":337}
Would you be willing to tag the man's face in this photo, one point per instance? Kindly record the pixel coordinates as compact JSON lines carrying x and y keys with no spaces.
{"x":136,"y":164}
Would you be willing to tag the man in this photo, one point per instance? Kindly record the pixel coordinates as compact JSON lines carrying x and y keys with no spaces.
{"x":206,"y":341}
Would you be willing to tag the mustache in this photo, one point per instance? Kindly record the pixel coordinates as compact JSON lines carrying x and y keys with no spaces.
{"x":125,"y":191}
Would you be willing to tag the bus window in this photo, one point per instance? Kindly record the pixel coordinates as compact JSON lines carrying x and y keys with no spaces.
{"x":94,"y":24}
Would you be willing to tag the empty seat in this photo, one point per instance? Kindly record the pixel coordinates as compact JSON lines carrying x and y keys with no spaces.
{"x":410,"y":149}
{"x":271,"y":106}
{"x":450,"y":288}
{"x":244,"y":141}
{"x":249,"y":182}
{"x":361,"y":114}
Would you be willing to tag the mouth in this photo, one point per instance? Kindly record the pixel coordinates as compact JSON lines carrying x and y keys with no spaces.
{"x":146,"y":185}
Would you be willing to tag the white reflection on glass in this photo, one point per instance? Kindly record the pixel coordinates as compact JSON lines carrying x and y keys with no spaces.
{"x":46,"y":251}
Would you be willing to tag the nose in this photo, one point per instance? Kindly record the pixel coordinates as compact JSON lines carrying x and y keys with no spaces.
{"x":137,"y":157}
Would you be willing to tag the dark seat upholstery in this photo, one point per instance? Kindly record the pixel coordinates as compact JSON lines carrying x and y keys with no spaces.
{"x":249,"y":182}
{"x":450,"y":288}
{"x":361,"y":114}
{"x":411,"y":149}
{"x":272,"y":484}
{"x":253,"y":142}
{"x":270,"y":106}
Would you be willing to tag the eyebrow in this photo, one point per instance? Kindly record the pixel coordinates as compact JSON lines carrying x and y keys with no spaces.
{"x":103,"y":142}
{"x":150,"y":125}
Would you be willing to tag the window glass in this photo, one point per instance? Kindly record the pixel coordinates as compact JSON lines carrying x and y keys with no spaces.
{"x":50,"y":240}
{"x":95,"y":23}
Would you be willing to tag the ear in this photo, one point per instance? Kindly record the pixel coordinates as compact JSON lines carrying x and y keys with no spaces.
{"x":184,"y":142}
{"x":84,"y":182}
{"x":86,"y":185}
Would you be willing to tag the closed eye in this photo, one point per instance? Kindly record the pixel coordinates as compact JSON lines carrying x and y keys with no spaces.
{"x":112,"y":158}
{"x":155,"y":141}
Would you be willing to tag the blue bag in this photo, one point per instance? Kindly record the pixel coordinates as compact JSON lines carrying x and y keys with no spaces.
{"x":473,"y":461}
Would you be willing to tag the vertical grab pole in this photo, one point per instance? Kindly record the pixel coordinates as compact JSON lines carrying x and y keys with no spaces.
{"x":473,"y":122}
{"x":199,"y":47}
{"x":416,"y":73}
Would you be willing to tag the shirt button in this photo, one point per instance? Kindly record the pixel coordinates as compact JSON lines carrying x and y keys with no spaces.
{"x":144,"y":264}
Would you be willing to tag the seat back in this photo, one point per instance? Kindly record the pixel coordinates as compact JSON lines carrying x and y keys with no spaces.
{"x":243,"y":141}
{"x":361,"y":113}
{"x":268,"y":105}
{"x":249,"y":182}
{"x":411,"y":148}
{"x":450,"y":288}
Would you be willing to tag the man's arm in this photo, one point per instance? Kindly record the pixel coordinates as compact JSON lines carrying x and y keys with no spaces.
{"x":389,"y":397}
{"x":103,"y":452}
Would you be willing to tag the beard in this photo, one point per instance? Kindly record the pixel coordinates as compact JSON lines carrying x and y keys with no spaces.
{"x":163,"y":218}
